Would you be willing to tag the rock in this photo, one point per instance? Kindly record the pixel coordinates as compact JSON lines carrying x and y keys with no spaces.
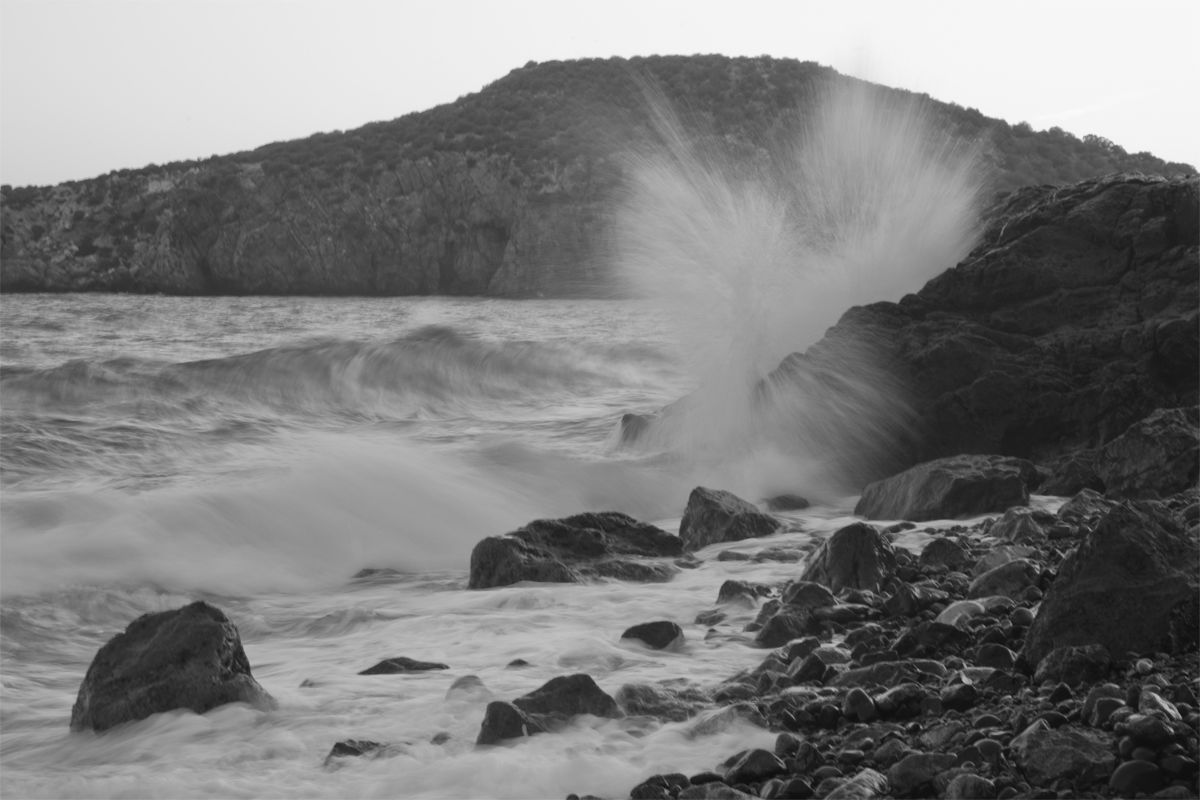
{"x":806,"y":595}
{"x":1072,"y":473}
{"x":916,"y":772}
{"x":950,"y":488}
{"x":1094,"y":712}
{"x":401,"y":665}
{"x":656,"y":635}
{"x":857,"y":706}
{"x":787,"y":502}
{"x":1131,"y":585}
{"x":867,"y":784}
{"x":1010,"y":579}
{"x":713,"y":791}
{"x":714,"y":515}
{"x":1134,"y":778}
{"x":889,"y":673}
{"x":1085,"y":506}
{"x":1018,"y":526}
{"x":1000,"y":555}
{"x":902,"y":701}
{"x":503,"y":721}
{"x":755,"y":766}
{"x":960,"y":612}
{"x":190,"y":657}
{"x":567,"y":696}
{"x":572,"y":549}
{"x":1156,"y":457}
{"x":1048,"y":755}
{"x":784,"y":626}
{"x":854,"y":557}
{"x":732,"y":591}
{"x":1074,"y":665}
{"x":662,"y":702}
{"x":996,"y":656}
{"x":468,"y":687}
{"x":959,"y":696}
{"x":943,"y":554}
{"x":969,"y":786}
{"x":350,"y":748}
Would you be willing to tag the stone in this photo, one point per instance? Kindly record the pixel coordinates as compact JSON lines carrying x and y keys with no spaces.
{"x":854,"y":557}
{"x":1156,"y":457}
{"x":573,"y":549}
{"x":662,"y":702}
{"x":1136,"y":777}
{"x":567,"y":696}
{"x":655,"y":635}
{"x":969,"y":786}
{"x":857,"y":706}
{"x":1077,"y":755}
{"x":714,"y":515}
{"x":950,"y":488}
{"x":916,"y":771}
{"x":1074,"y":665}
{"x":401,"y":665}
{"x":503,"y":721}
{"x":806,"y":595}
{"x":190,"y":657}
{"x":468,"y":687}
{"x":960,"y":612}
{"x":714,"y":791}
{"x":1087,"y":505}
{"x":784,"y":626}
{"x":755,"y":766}
{"x":866,"y":784}
{"x":1011,"y":579}
{"x":943,"y":554}
{"x":996,"y":656}
{"x":1131,"y":586}
{"x":351,"y":748}
{"x":1018,"y":526}
{"x":1072,"y":473}
{"x":959,"y":696}
{"x":787,"y":502}
{"x":733,"y":591}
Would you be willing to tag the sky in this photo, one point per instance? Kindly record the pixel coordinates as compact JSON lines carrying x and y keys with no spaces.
{"x":90,"y":86}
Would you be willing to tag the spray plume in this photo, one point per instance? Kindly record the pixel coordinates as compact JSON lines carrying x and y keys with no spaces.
{"x":753,"y":257}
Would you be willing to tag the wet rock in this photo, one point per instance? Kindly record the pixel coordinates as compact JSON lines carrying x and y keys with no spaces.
{"x":1048,"y":755}
{"x":969,"y":786}
{"x":888,"y":673}
{"x":656,"y":635}
{"x":503,"y":721}
{"x":714,"y":791}
{"x":714,"y":515}
{"x":944,"y":554}
{"x":806,"y":595}
{"x":468,"y":687}
{"x":959,"y":696}
{"x":1002,"y":554}
{"x":573,"y":549}
{"x":567,"y":696}
{"x":352,"y":748}
{"x":901,"y":701}
{"x":662,"y":702}
{"x":1136,"y":777}
{"x":401,"y":665}
{"x":755,"y":766}
{"x":1131,"y":585}
{"x":959,"y":612}
{"x":190,"y":657}
{"x":1095,"y":710}
{"x":996,"y":656}
{"x":858,"y":706}
{"x":949,"y":488}
{"x":517,"y":663}
{"x":787,"y":502}
{"x":1156,"y":457}
{"x":784,"y":626}
{"x":854,"y":557}
{"x":867,"y":784}
{"x":1011,"y":580}
{"x":1074,"y":665}
{"x":1087,"y":505}
{"x":732,"y":591}
{"x":914,"y":774}
{"x":1072,"y":473}
{"x":1018,"y":526}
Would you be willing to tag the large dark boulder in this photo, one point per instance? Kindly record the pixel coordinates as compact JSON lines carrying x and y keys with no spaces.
{"x":854,"y":557}
{"x":949,"y":488}
{"x":656,"y":635}
{"x":714,"y":515}
{"x":1156,"y":457}
{"x":1132,"y":585}
{"x":573,"y":549}
{"x":567,"y":696}
{"x":191,"y":657}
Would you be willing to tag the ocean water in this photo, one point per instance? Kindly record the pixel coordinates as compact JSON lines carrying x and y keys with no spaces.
{"x":258,"y":452}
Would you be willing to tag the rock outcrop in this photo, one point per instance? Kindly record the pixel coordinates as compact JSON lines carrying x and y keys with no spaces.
{"x":574,"y":549}
{"x":191,"y":657}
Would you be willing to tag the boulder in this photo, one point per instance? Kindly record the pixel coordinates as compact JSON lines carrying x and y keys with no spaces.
{"x":503,"y":721}
{"x":567,"y":696}
{"x":1010,"y":579}
{"x":950,"y":488}
{"x":1131,"y":585}
{"x":1072,"y":473}
{"x":656,"y":635}
{"x":663,"y":702}
{"x":714,"y":515}
{"x":190,"y":657}
{"x":1074,"y":665}
{"x":854,"y":557}
{"x":1018,"y":526}
{"x":943,"y":555}
{"x":1156,"y":457}
{"x":1072,"y":754}
{"x":573,"y":549}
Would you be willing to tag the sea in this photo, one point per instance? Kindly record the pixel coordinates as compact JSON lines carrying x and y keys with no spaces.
{"x":258,"y":452}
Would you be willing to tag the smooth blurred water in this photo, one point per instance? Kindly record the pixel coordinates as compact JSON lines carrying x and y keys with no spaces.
{"x":257,"y":452}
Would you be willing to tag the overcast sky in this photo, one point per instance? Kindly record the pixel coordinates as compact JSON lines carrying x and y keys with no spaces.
{"x":89,"y":86}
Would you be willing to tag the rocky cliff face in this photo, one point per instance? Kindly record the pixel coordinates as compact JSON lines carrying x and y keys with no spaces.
{"x":448,"y":224}
{"x":1075,"y":317}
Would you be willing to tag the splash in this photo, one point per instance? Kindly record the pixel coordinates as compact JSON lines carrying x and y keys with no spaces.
{"x":753,"y":257}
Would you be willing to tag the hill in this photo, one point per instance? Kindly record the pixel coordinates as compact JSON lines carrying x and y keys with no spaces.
{"x":504,"y":192}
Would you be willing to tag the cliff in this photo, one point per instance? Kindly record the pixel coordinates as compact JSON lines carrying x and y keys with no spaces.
{"x":505,"y":192}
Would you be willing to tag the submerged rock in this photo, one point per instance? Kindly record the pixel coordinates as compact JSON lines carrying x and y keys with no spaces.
{"x":401,"y":665}
{"x":714,"y":515}
{"x":656,"y":635}
{"x":191,"y":657}
{"x":950,"y":488}
{"x":503,"y":721}
{"x":567,"y":696}
{"x":573,"y":549}
{"x":1131,"y":585}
